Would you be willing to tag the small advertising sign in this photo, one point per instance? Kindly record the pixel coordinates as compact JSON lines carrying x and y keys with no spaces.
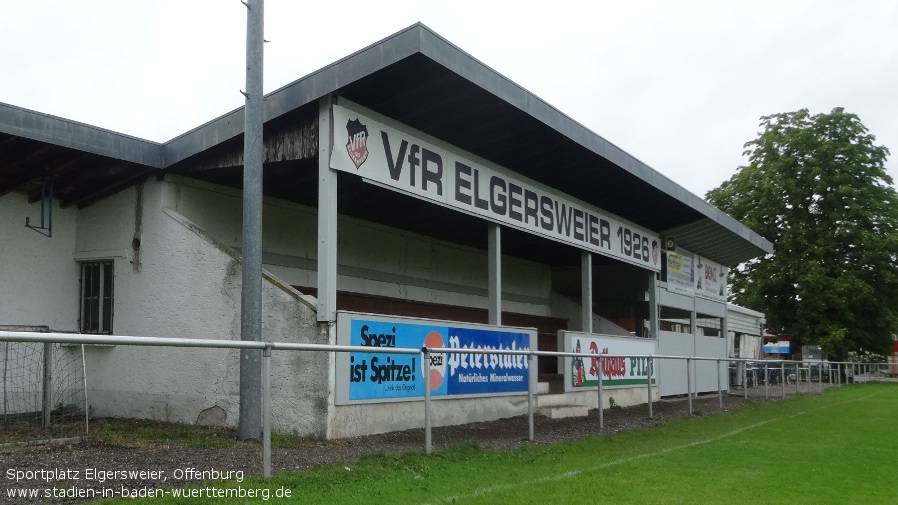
{"x":367,"y":377}
{"x":680,"y":278}
{"x":781,"y":347}
{"x":582,"y":373}
{"x":710,"y":279}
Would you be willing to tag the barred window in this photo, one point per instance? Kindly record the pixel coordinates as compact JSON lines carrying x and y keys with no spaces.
{"x":96,"y":297}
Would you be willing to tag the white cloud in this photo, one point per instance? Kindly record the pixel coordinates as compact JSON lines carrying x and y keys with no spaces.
{"x":678,"y":84}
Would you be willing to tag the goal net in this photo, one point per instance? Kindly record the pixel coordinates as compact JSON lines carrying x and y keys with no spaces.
{"x":42,"y":395}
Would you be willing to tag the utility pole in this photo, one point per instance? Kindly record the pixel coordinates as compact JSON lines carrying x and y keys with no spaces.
{"x":250,"y":416}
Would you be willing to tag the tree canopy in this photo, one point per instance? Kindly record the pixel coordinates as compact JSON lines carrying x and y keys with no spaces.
{"x":817,"y":188}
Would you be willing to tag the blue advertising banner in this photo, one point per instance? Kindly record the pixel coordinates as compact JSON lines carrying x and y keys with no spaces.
{"x":487,"y":373}
{"x":390,"y":377}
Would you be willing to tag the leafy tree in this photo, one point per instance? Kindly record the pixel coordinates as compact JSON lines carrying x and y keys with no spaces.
{"x":816,"y":187}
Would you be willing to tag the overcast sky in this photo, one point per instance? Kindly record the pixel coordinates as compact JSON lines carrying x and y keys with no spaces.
{"x":680,"y":85}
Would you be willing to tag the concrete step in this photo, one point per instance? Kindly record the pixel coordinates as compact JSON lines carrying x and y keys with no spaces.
{"x":562,"y":411}
{"x":542,"y":388}
{"x":552,"y":400}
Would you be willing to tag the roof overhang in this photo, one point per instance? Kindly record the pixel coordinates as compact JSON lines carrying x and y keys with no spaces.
{"x":417,"y":78}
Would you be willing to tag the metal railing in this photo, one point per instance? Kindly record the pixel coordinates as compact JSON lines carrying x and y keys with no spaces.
{"x":749,"y":374}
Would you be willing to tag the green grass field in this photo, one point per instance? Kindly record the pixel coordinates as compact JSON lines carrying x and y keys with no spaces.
{"x":839,"y":447}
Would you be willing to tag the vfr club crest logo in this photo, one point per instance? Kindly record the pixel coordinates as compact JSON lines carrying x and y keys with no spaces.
{"x":357,"y":146}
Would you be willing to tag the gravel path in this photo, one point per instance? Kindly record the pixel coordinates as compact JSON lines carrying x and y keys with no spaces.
{"x":177,"y":465}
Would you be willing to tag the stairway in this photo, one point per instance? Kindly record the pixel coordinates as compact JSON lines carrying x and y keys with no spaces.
{"x":556,"y":405}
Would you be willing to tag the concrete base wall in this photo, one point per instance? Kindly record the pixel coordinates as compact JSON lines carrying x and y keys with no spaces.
{"x":623,"y":397}
{"x":355,"y":420}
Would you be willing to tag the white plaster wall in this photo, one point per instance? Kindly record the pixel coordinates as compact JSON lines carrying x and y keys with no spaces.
{"x":567,"y":308}
{"x":372,"y":258}
{"x":39,"y":280}
{"x":187,"y":286}
{"x":39,"y":286}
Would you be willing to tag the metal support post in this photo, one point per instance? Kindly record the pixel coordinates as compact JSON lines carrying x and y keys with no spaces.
{"x":601,"y":411}
{"x":428,"y":441}
{"x":586,"y":291}
{"x":648,"y":383}
{"x":531,"y":382}
{"x":494,"y":273}
{"x":719,"y":387}
{"x":766,"y":382}
{"x":745,"y":378}
{"x":783,"y":379}
{"x":249,"y":423}
{"x":266,"y":412}
{"x":689,"y":383}
{"x":86,"y":402}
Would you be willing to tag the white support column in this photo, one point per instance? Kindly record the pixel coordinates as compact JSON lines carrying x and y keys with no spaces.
{"x":327,"y":216}
{"x":494,"y":271}
{"x":586,"y":291}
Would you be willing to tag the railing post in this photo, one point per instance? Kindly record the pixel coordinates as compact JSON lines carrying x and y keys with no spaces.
{"x":531,"y":381}
{"x":86,"y":403}
{"x":719,"y":387}
{"x":428,"y":441}
{"x":745,"y":378}
{"x":689,"y":383}
{"x":766,"y":381}
{"x":820,"y":376}
{"x":648,"y":382}
{"x":782,"y":379}
{"x":266,"y":411}
{"x":599,"y":389}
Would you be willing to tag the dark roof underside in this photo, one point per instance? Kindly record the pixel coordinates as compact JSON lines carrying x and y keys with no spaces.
{"x":423,"y":81}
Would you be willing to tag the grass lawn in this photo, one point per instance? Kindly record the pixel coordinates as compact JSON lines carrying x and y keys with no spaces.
{"x":839,"y":447}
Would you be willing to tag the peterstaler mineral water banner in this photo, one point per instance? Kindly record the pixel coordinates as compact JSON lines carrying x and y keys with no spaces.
{"x":583,"y":372}
{"x":372,"y":377}
{"x":390,"y":154}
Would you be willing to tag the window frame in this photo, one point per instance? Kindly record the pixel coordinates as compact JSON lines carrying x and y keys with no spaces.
{"x":96,"y":297}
